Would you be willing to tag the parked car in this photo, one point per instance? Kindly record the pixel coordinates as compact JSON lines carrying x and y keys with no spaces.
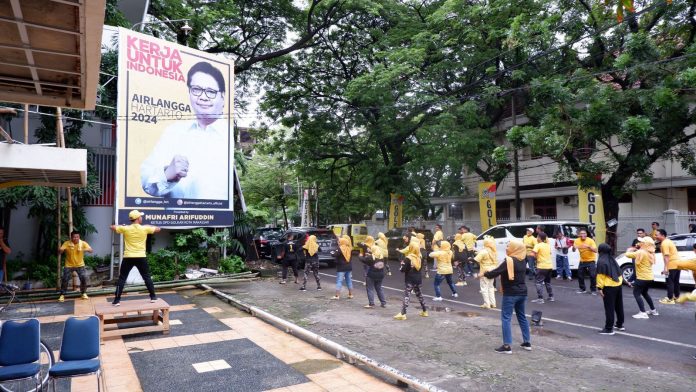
{"x":395,"y":240}
{"x":263,"y":236}
{"x":327,"y":240}
{"x":685,"y":247}
{"x":505,"y":232}
{"x":356,"y":231}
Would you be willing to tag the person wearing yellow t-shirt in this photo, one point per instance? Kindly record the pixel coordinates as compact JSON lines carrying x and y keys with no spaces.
{"x":655,"y":230}
{"x":670,"y":255}
{"x":134,"y":238}
{"x":469,"y":240}
{"x":609,"y":282}
{"x":542,"y":254}
{"x":74,"y":261}
{"x":688,"y":264}
{"x":587,"y":267}
{"x":529,"y":242}
{"x":645,"y":259}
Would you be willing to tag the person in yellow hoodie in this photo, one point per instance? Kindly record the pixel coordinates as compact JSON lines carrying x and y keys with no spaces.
{"x":383,"y":243}
{"x":411,"y":267}
{"x":487,"y":259}
{"x":469,"y":240}
{"x":609,"y":282}
{"x":645,"y":258}
{"x":688,"y":297}
{"x":438,"y":236}
{"x":460,"y":254}
{"x":443,"y":260}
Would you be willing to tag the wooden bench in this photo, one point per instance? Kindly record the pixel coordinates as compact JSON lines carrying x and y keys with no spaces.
{"x":159,"y":310}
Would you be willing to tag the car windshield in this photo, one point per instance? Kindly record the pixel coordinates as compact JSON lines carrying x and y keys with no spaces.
{"x":394,"y":233}
{"x":323,"y":235}
{"x":571,"y":231}
{"x":360,"y":230}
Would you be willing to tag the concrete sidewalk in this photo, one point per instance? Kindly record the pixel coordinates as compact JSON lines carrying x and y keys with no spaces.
{"x":213,"y":347}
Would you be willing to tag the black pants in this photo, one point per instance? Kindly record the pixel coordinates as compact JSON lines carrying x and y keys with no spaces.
{"x":613,"y":304}
{"x":67,"y":274}
{"x":289,"y":263}
{"x":587,"y":270}
{"x":543,"y":278}
{"x":640,"y":288}
{"x":673,"y":284}
{"x":126,"y":266}
{"x":375,"y":285}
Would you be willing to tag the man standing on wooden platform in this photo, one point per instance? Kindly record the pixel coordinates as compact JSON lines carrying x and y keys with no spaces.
{"x":134,"y":238}
{"x":74,"y":261}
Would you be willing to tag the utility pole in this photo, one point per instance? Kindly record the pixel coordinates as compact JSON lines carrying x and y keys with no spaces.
{"x":516,"y":159}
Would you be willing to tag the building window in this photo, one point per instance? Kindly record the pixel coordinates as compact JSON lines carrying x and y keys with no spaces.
{"x":456,"y":211}
{"x":104,"y":161}
{"x":545,"y":208}
{"x":502,"y":210}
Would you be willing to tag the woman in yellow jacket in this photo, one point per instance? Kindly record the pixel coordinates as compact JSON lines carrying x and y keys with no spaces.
{"x":488,"y":260}
{"x":645,"y":258}
{"x":383,"y":242}
{"x":443,"y":261}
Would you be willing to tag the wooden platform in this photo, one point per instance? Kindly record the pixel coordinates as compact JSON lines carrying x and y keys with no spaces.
{"x":144,"y":311}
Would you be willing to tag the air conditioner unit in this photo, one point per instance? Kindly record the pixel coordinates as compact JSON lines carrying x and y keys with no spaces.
{"x":570,"y":201}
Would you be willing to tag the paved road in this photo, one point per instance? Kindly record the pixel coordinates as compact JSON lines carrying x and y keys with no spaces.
{"x":669,"y":339}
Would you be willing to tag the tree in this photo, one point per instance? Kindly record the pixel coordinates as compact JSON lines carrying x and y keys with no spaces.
{"x":264,"y":186}
{"x":623,"y":105}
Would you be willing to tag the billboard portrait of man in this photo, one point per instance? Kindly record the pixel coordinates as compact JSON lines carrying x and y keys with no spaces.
{"x":190,"y":159}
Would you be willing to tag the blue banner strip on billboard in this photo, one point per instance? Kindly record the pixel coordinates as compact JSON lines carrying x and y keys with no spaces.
{"x":181,"y":218}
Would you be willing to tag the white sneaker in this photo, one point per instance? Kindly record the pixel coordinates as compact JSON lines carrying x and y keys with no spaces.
{"x":641,"y":315}
{"x":653,"y":312}
{"x":455,"y":295}
{"x":437,"y":299}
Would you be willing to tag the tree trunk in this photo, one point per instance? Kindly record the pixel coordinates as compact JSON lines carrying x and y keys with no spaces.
{"x":285,"y":217}
{"x":611,"y":211}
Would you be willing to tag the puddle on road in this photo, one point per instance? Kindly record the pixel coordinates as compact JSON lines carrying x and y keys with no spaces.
{"x":628,"y":360}
{"x":447,"y":309}
{"x":541,"y":331}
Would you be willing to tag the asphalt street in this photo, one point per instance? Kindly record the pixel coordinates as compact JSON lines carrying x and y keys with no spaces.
{"x":664,"y":342}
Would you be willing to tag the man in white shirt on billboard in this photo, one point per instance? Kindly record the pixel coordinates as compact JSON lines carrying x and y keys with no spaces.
{"x":190,"y":160}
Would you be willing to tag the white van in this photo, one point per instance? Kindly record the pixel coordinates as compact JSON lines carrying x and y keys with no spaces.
{"x":505,"y":232}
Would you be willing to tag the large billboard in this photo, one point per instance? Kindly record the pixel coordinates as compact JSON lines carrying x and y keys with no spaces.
{"x":175,"y":146}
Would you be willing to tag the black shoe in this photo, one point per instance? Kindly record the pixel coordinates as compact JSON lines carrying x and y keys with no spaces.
{"x":319,"y":288}
{"x":606,"y":332}
{"x":527,"y":346}
{"x":616,"y":327}
{"x":303,"y":288}
{"x":504,"y":349}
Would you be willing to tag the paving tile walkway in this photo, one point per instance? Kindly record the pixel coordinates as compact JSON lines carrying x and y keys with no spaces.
{"x":317,"y":370}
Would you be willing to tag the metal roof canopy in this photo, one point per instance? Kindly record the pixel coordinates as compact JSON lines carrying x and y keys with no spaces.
{"x":22,"y":164}
{"x":50,"y":51}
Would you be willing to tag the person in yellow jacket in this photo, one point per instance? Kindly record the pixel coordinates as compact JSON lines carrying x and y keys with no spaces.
{"x":487,"y":259}
{"x":529,"y":242}
{"x":469,"y":240}
{"x":688,"y":297}
{"x":443,"y":260}
{"x":460,"y":254}
{"x":438,"y":236}
{"x":645,"y":258}
{"x":74,"y":261}
{"x":609,"y":282}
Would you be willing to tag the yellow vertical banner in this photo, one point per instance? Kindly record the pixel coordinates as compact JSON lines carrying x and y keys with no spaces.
{"x":591,"y":208}
{"x":486,"y":193}
{"x":396,"y":211}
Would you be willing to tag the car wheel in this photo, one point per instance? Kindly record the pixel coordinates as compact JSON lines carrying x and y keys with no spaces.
{"x":627,"y":272}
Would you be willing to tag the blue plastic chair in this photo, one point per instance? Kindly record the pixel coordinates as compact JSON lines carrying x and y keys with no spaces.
{"x":79,"y":351}
{"x":19,"y":350}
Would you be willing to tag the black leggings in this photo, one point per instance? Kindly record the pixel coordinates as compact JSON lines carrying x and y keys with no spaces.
{"x":289,"y":263}
{"x":613,"y":303}
{"x":640,"y":288}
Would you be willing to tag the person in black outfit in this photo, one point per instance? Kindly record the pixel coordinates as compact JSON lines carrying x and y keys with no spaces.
{"x":609,"y":284}
{"x":310,"y":252}
{"x":290,"y":258}
{"x":512,"y":272}
{"x":411,"y":266}
{"x":374,"y":260}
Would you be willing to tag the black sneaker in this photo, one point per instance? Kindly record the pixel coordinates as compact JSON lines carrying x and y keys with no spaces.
{"x":504,"y":349}
{"x":527,"y":346}
{"x":319,"y":288}
{"x":303,"y":288}
{"x":606,"y":332}
{"x":616,"y":327}
{"x":116,"y":303}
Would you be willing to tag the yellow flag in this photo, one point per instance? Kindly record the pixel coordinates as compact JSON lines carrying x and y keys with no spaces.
{"x":486,"y":193}
{"x":591,"y":208}
{"x":396,"y":211}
